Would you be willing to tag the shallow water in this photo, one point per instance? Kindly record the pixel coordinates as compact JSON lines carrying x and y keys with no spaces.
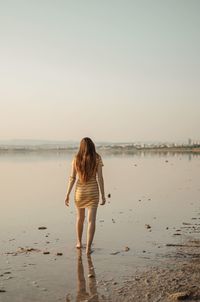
{"x":162,"y":191}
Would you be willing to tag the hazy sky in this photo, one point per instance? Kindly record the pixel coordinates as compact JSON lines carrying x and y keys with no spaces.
{"x":113,"y":70}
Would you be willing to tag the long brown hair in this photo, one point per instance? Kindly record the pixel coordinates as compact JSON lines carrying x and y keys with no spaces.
{"x":86,"y":159}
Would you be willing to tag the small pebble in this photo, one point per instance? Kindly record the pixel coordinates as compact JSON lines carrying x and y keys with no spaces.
{"x":114,"y":253}
{"x":42,"y":228}
{"x":44,"y":289}
{"x":34,"y":283}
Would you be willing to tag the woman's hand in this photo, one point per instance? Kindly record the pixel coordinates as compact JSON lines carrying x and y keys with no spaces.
{"x":103,"y":201}
{"x":67,"y":201}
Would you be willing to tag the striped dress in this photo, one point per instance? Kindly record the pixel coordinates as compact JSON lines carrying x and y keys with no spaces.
{"x":87,"y":194}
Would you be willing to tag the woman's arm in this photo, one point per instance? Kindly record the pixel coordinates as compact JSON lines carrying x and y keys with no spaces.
{"x":71,"y":182}
{"x":101,"y":181}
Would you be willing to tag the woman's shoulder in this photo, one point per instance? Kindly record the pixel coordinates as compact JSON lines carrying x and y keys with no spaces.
{"x":74,"y":159}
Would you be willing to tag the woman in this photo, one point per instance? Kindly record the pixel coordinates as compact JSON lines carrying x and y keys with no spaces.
{"x":87,"y":164}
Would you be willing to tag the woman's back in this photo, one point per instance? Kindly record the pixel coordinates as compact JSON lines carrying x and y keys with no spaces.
{"x":87,"y":193}
{"x":95,"y":171}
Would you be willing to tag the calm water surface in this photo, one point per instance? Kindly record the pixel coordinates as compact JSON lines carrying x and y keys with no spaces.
{"x":162,"y":191}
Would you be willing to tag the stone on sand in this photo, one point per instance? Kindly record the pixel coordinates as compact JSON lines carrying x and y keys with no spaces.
{"x":115,"y":253}
{"x":179,"y":296}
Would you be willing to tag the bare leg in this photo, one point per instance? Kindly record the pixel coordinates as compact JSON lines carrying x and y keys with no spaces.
{"x":79,"y":226}
{"x":91,"y":228}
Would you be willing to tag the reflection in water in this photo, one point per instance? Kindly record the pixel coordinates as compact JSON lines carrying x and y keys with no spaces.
{"x":52,"y":154}
{"x":82,"y":293}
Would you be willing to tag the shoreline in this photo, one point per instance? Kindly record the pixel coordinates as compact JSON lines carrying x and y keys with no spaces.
{"x":175,"y":279}
{"x":103,"y":150}
{"x":169,"y":276}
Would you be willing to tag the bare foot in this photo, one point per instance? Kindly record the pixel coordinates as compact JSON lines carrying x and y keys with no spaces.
{"x":79,"y":246}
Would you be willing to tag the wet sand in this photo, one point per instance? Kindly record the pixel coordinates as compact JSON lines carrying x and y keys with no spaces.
{"x":153,"y":207}
{"x":174,"y":278}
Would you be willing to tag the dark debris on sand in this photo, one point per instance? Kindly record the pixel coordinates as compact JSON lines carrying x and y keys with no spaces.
{"x":42,"y":228}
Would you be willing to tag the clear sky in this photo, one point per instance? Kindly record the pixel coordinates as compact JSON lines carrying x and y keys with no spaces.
{"x":113,"y":70}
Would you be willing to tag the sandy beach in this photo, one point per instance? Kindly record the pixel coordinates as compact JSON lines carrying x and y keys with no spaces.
{"x":147,"y":242}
